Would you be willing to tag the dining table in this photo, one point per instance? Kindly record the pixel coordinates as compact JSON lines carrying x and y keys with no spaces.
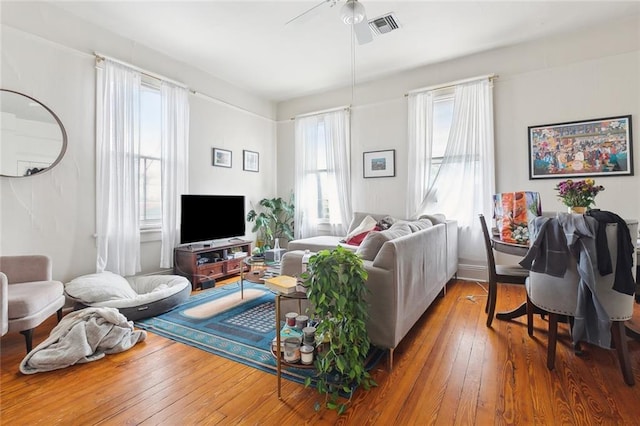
{"x":632,"y":327}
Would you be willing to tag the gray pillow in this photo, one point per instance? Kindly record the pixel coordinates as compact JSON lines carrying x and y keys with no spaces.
{"x":435,"y":218}
{"x":418,"y":225}
{"x":99,"y":287}
{"x":372,"y":243}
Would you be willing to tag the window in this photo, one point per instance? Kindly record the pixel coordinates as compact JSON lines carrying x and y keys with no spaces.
{"x":136,"y":186}
{"x":322,"y":192}
{"x":454,"y":135}
{"x":150,"y":159}
{"x":442,"y":117}
{"x":318,"y":174}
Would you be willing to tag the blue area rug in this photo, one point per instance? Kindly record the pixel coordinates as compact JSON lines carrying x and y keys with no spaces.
{"x":241,"y":330}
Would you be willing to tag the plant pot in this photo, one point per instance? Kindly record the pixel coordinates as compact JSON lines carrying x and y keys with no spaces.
{"x":577,"y":210}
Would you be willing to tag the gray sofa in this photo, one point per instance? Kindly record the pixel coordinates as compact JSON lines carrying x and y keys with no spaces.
{"x":408,"y":266}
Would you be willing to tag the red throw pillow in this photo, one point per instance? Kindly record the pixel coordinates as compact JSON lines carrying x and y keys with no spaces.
{"x":357,"y":239}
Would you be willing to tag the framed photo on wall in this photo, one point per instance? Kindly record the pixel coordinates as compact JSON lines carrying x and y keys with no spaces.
{"x":597,"y":147}
{"x":380,"y":163}
{"x":251,"y":161}
{"x":221,"y":157}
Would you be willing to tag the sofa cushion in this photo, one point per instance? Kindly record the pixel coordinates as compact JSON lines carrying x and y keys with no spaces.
{"x":321,"y":242}
{"x":416,"y":225}
{"x":374,"y":241}
{"x":26,"y":299}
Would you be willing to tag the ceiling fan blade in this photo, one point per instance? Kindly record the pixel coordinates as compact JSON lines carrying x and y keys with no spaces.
{"x":363,"y":32}
{"x":306,"y":12}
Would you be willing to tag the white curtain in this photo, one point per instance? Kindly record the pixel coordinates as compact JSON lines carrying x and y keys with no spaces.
{"x":420,"y":111}
{"x":465,"y":182}
{"x":322,"y":139}
{"x":174,"y":169}
{"x":117,"y":136}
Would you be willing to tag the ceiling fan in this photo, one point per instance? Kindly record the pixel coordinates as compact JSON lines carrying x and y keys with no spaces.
{"x":352,"y":13}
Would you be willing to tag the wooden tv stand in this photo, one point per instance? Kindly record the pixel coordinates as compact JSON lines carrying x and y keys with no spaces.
{"x":201,"y":263}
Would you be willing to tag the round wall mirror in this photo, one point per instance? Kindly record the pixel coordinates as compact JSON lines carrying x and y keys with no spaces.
{"x":33,"y":138}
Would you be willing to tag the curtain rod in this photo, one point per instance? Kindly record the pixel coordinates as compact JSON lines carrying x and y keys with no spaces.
{"x":451,"y":84}
{"x":324,"y":111}
{"x":101,"y":57}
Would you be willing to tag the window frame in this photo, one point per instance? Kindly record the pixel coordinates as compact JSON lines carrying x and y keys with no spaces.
{"x":148,"y":225}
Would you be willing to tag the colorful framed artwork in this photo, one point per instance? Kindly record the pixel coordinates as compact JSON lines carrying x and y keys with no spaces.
{"x":597,"y":147}
{"x":251,"y":161}
{"x":221,"y":157}
{"x":380,"y":163}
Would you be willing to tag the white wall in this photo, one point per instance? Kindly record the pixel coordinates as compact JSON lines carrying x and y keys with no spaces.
{"x":589,"y":74}
{"x":48,"y":55}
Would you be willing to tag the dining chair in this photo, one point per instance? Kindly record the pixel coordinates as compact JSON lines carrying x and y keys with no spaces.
{"x":498,"y":273}
{"x":561,"y":297}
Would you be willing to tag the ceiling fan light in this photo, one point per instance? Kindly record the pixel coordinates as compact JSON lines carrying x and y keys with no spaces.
{"x":352,"y":12}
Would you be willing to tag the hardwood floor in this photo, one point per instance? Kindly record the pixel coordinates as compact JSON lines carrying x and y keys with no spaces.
{"x":450,"y":369}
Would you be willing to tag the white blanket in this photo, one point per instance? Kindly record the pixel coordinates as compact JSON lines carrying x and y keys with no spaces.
{"x":83,"y":336}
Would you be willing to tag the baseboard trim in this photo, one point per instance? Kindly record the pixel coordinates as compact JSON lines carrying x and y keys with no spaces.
{"x":471,"y":272}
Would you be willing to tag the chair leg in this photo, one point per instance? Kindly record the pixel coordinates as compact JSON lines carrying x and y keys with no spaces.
{"x":491,"y":302}
{"x":59,"y":314}
{"x":28,"y":338}
{"x":620,"y":342}
{"x":577,"y":347}
{"x":486,"y":305}
{"x":553,"y":338}
{"x":529,"y":316}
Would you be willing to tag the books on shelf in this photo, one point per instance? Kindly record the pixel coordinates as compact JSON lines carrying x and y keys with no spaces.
{"x":284,"y":284}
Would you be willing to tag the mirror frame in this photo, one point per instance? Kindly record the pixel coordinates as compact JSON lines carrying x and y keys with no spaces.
{"x":63,"y":150}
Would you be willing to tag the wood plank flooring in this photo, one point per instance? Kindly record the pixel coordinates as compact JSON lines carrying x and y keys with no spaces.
{"x":449,"y":370}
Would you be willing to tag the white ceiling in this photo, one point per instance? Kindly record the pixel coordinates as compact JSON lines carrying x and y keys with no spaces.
{"x":247,"y":43}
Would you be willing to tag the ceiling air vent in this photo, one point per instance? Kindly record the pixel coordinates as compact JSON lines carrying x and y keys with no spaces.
{"x":384,"y":24}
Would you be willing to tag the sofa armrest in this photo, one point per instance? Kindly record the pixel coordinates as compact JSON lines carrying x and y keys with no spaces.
{"x":291,"y":263}
{"x":452,"y":247}
{"x":4,"y":304}
{"x":27,"y":268}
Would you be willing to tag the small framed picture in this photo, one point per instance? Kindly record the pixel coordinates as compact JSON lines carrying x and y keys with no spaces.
{"x":380,"y":163}
{"x":221,"y":157}
{"x":250,"y":161}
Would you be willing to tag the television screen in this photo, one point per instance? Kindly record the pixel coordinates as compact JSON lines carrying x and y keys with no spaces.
{"x":201,"y":217}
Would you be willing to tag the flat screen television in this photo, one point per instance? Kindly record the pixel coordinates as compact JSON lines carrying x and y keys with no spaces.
{"x":211,"y":217}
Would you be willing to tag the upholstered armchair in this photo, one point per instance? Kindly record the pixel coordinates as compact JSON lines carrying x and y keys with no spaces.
{"x":563,"y":296}
{"x":29,"y":294}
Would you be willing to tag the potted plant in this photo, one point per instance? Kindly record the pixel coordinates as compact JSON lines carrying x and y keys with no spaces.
{"x":273,"y":219}
{"x":335,"y":282}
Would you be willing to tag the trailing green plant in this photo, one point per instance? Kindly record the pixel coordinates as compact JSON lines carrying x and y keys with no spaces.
{"x":273,"y":219}
{"x":335,"y":281}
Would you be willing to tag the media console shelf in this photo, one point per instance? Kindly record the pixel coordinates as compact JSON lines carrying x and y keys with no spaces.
{"x":201,"y":263}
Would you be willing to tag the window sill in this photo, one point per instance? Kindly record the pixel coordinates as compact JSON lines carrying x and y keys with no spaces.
{"x":150,"y":235}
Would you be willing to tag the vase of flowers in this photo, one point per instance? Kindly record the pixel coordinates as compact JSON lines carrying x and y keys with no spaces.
{"x":578,"y":195}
